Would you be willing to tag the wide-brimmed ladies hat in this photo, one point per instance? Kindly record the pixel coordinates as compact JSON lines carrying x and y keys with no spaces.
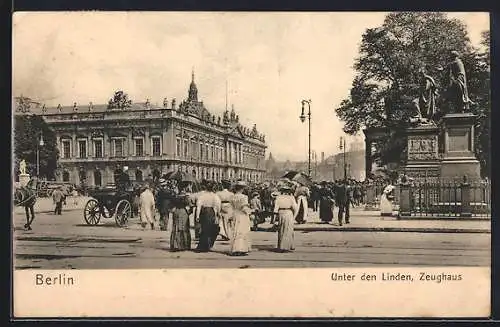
{"x":284,"y":186}
{"x":240,"y":183}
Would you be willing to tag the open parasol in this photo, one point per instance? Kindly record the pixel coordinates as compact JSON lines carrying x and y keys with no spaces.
{"x":181,"y":176}
{"x":168,"y":175}
{"x":298,"y":177}
{"x":290,"y":174}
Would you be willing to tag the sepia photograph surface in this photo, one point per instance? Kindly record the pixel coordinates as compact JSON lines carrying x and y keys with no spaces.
{"x":229,"y":163}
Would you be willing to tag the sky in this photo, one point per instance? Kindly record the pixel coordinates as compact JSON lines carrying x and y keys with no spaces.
{"x":269,"y":61}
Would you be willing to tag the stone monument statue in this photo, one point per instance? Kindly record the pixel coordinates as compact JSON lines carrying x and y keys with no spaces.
{"x":457,"y":92}
{"x":22,"y":167}
{"x":24,"y":177}
{"x":426,"y":101}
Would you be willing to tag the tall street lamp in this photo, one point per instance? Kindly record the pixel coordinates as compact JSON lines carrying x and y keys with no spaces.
{"x":39,"y":144}
{"x":342,"y":147}
{"x":303,"y":119}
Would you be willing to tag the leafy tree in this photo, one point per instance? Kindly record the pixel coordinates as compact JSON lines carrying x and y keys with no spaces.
{"x":27,"y":132}
{"x":386,"y":79}
{"x":119,"y":100}
{"x":479,"y":88}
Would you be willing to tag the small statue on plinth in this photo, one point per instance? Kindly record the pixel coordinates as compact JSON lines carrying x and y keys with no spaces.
{"x":425,"y":104}
{"x":22,"y":167}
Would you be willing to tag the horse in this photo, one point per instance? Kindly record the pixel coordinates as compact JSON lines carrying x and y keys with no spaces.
{"x":26,"y":197}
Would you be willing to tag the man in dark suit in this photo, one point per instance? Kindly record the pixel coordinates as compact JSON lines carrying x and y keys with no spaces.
{"x":343,"y":200}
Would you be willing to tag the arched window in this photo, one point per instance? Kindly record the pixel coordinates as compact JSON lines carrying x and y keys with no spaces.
{"x":138,"y":175}
{"x":65,"y":176}
{"x":194,"y":172}
{"x":97,"y":178}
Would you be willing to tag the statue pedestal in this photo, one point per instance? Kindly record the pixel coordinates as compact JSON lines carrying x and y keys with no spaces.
{"x":423,"y":158}
{"x":24,"y":179}
{"x":459,"y":159}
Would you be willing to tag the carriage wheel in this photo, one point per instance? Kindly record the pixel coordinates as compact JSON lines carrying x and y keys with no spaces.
{"x":91,"y":213}
{"x":123,"y":212}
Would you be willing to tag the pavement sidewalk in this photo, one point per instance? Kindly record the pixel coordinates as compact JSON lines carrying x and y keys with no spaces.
{"x":372,"y":221}
{"x":361,"y":221}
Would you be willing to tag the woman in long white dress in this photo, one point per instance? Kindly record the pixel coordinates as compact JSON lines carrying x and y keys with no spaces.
{"x":240,"y":240}
{"x":386,"y":201}
{"x":285,"y":207}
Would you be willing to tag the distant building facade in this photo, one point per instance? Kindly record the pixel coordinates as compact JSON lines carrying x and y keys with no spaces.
{"x":96,"y":140}
{"x":326,"y":169}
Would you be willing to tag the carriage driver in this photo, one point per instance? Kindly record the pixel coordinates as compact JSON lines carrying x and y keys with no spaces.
{"x":123,"y":180}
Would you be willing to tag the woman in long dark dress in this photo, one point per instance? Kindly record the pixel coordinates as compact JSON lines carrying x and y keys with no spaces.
{"x":208,"y":207}
{"x":326,"y":204}
{"x":180,"y":237}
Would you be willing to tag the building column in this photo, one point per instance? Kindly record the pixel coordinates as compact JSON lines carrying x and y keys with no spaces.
{"x":74,"y":150}
{"x":105,"y":147}
{"x":74,"y":177}
{"x":58,"y":144}
{"x":147,"y":143}
{"x":164,"y":142}
{"x":130,"y":142}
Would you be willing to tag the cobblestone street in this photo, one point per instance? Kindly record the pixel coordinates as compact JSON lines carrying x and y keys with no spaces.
{"x":66,"y":242}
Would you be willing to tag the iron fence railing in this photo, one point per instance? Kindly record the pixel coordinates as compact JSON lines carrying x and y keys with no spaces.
{"x":435,"y":198}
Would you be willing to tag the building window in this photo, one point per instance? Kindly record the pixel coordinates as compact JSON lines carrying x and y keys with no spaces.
{"x":118,"y":147}
{"x":193,"y":149}
{"x":212,"y":154}
{"x":97,"y":178}
{"x":82,"y":149}
{"x":98,"y":149}
{"x":186,"y":148}
{"x":156,"y":144}
{"x":178,"y":147}
{"x":201,"y":151}
{"x":139,"y":147}
{"x":66,"y":149}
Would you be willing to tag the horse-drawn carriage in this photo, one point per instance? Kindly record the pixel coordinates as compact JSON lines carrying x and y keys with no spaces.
{"x":109,"y":202}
